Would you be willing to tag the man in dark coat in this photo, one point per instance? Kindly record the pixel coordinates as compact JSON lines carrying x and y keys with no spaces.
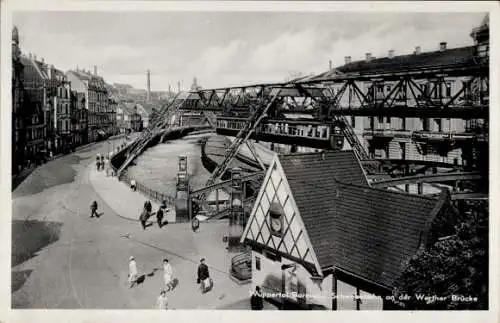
{"x":160,"y":214}
{"x":203,"y":274}
{"x":143,"y":218}
{"x":93,"y":209}
{"x":256,"y":301}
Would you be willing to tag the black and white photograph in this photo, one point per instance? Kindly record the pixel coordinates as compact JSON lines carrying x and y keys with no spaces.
{"x":248,"y":159}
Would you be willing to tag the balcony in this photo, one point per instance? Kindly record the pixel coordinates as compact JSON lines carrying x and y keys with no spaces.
{"x":369,"y":133}
{"x":424,"y":136}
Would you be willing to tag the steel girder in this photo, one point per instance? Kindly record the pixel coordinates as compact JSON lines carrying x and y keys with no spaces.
{"x":417,"y":92}
{"x":246,"y":98}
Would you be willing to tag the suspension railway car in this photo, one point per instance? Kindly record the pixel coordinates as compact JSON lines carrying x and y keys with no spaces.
{"x":307,"y":133}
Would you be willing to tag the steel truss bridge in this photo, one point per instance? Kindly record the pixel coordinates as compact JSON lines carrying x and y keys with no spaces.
{"x":262,"y":111}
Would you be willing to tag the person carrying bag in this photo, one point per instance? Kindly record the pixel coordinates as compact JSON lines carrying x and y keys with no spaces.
{"x":204,"y":279}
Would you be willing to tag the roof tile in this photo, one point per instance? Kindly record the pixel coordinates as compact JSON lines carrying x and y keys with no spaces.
{"x":352,"y":226}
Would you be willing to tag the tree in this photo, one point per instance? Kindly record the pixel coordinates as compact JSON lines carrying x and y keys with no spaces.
{"x":455,"y":268}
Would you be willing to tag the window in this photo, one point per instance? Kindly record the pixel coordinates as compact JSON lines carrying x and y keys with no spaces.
{"x":438,"y":124}
{"x":257,"y":263}
{"x":425,"y":124}
{"x":448,"y":90}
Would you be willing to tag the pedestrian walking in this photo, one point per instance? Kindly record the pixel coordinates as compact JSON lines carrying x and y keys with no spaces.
{"x":204,"y":279}
{"x":98,"y":160}
{"x":133,"y":185}
{"x":161,"y":213}
{"x":162,"y":301}
{"x":168,"y":273}
{"x":93,"y":209}
{"x":148,"y":207}
{"x":256,"y":301}
{"x":143,"y":218}
{"x":132,"y":272}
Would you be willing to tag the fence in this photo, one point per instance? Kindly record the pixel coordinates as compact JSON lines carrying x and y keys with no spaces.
{"x":152,"y":194}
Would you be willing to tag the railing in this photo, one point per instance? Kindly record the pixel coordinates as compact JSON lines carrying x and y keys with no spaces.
{"x":152,"y":194}
{"x":442,"y":135}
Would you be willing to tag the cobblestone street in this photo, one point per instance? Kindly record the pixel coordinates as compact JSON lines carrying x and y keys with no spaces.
{"x":64,"y":259}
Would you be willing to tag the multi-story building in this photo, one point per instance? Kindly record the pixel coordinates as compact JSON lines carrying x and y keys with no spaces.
{"x":408,"y":137}
{"x":37,"y":108}
{"x":112,"y":107}
{"x":96,"y":101}
{"x":79,"y":116}
{"x":60,"y":113}
{"x":128,"y":118}
{"x":18,"y":107}
{"x":49,"y":89}
{"x":145,"y":110}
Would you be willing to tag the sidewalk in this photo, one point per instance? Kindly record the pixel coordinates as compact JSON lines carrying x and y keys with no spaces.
{"x":183,"y":247}
{"x":125,"y":202}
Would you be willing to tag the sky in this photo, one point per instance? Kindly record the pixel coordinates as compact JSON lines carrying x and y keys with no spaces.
{"x":227,"y":48}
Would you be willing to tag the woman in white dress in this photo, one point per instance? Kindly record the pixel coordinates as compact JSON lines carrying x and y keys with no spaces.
{"x":162,"y":301}
{"x":167,"y":274}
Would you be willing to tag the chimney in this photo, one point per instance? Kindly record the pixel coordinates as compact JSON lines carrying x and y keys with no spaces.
{"x":30,"y":56}
{"x":179,"y":86}
{"x":391,"y":53}
{"x":43,"y":60}
{"x":34,"y":57}
{"x":95,"y":70}
{"x":368,"y":57}
{"x":442,"y":46}
{"x":347,"y":59}
{"x":330,"y":65}
{"x":417,"y":50}
{"x":148,"y":85}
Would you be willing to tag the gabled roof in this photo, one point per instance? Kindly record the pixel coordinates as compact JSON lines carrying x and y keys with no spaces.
{"x":341,"y":165}
{"x":461,"y":56}
{"x":82,"y":75}
{"x":146,"y":107}
{"x":36,"y":65}
{"x":362,"y":230}
{"x":127,"y":107}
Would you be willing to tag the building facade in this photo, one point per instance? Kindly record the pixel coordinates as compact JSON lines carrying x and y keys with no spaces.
{"x":60,"y":113}
{"x":417,"y":138}
{"x":79,"y":119}
{"x":112,"y":115}
{"x":127,"y":117}
{"x":18,"y":107}
{"x":146,"y":111}
{"x":37,"y":109}
{"x":96,"y":102}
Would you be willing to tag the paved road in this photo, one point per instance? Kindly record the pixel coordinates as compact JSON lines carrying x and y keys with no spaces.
{"x":63,"y":259}
{"x":55,"y":246}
